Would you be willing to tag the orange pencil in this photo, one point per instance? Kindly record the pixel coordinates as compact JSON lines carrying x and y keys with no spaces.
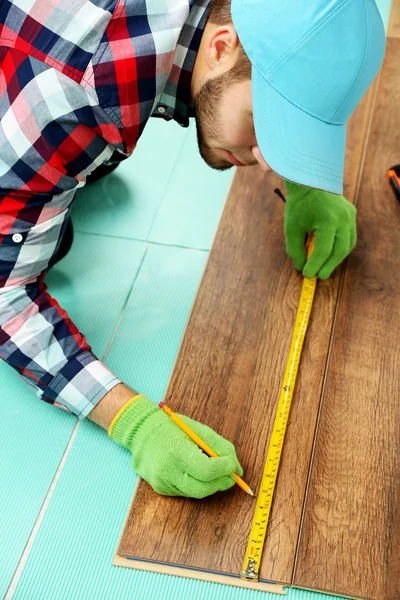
{"x":202,"y":444}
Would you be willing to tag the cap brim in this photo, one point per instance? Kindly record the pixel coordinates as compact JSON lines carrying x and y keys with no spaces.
{"x":297,"y":146}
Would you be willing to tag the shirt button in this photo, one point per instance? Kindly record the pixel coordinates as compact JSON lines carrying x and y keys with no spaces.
{"x":17,"y":238}
{"x":161,"y":109}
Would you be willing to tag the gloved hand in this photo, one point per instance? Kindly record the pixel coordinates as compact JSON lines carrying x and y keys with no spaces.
{"x":333,"y":220}
{"x":165,"y":457}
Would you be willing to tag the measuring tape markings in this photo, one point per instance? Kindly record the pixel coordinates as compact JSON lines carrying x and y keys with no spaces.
{"x":259,"y":525}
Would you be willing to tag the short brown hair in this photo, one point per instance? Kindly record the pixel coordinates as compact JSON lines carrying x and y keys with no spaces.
{"x":220,"y":14}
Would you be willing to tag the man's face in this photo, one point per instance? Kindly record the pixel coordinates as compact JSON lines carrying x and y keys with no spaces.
{"x":225,"y":127}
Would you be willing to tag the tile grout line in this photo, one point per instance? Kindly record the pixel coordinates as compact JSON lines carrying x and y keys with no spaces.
{"x":25,"y":554}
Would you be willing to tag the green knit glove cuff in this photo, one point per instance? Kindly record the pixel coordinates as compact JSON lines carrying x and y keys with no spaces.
{"x":129,"y":419}
{"x":165,"y":456}
{"x":331,"y":218}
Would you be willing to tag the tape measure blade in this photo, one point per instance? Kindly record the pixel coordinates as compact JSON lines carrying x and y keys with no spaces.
{"x":258,"y":531}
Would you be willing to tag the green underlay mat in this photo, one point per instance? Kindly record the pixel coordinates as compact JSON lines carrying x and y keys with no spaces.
{"x":147,"y":341}
{"x":72,"y":552}
{"x":141,"y":241}
{"x":125,"y":203}
{"x":28,"y":461}
{"x":30,"y":454}
{"x":194,"y":197}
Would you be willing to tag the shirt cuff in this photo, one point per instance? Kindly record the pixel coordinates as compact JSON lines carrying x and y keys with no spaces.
{"x":80,"y":384}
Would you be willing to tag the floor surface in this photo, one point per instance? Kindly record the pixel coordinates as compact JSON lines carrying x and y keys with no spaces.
{"x":142,"y":237}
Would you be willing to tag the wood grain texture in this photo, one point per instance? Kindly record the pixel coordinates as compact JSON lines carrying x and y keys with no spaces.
{"x":350,"y":540}
{"x":230,"y":365}
{"x":228,"y":375}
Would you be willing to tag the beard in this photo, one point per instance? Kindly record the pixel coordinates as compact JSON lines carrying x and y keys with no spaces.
{"x":206,"y":105}
{"x":208,"y":124}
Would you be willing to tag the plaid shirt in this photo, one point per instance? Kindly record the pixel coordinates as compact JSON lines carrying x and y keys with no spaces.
{"x":79,"y":79}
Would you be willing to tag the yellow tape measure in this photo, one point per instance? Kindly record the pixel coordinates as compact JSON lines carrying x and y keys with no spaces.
{"x":251,"y":564}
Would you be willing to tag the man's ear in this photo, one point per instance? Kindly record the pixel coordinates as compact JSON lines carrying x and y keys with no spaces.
{"x":221,"y":49}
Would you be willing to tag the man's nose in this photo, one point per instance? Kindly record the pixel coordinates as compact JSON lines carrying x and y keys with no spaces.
{"x":259,"y":158}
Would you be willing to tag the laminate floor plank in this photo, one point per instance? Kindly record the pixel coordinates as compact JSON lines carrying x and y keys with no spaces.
{"x":228,"y":375}
{"x":350,"y":539}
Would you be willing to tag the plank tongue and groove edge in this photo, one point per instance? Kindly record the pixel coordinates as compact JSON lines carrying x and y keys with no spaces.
{"x":228,"y":375}
{"x":350,"y":539}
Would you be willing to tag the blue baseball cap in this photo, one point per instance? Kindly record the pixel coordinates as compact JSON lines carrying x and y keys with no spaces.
{"x":312,"y":62}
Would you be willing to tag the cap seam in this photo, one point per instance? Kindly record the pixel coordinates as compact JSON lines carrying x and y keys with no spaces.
{"x":361,"y":65}
{"x":302,"y":41}
{"x":298,"y":106}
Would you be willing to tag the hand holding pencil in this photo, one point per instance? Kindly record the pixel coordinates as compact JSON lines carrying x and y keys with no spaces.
{"x":165,"y":456}
{"x":202,"y":444}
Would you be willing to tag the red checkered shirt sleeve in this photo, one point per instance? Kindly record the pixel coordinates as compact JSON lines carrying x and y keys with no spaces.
{"x":52,"y":135}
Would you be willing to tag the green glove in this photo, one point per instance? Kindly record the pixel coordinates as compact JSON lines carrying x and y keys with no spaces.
{"x":165,"y":457}
{"x":333,"y":220}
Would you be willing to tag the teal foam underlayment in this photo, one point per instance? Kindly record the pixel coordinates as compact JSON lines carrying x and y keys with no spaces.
{"x":76,"y":542}
{"x":93,"y":281}
{"x":72,"y":553}
{"x":194,"y":196}
{"x":145,"y":346}
{"x":34,"y":435}
{"x":33,"y":440}
{"x":125,"y":203}
{"x":146,"y":198}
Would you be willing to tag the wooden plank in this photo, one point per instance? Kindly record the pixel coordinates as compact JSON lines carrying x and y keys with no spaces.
{"x":350,"y":541}
{"x":120,"y":561}
{"x":230,"y":364}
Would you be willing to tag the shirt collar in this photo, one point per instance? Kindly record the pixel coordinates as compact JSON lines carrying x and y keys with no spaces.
{"x":175,"y":102}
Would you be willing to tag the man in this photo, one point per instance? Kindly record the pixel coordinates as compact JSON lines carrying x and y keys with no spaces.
{"x":274,"y":86}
